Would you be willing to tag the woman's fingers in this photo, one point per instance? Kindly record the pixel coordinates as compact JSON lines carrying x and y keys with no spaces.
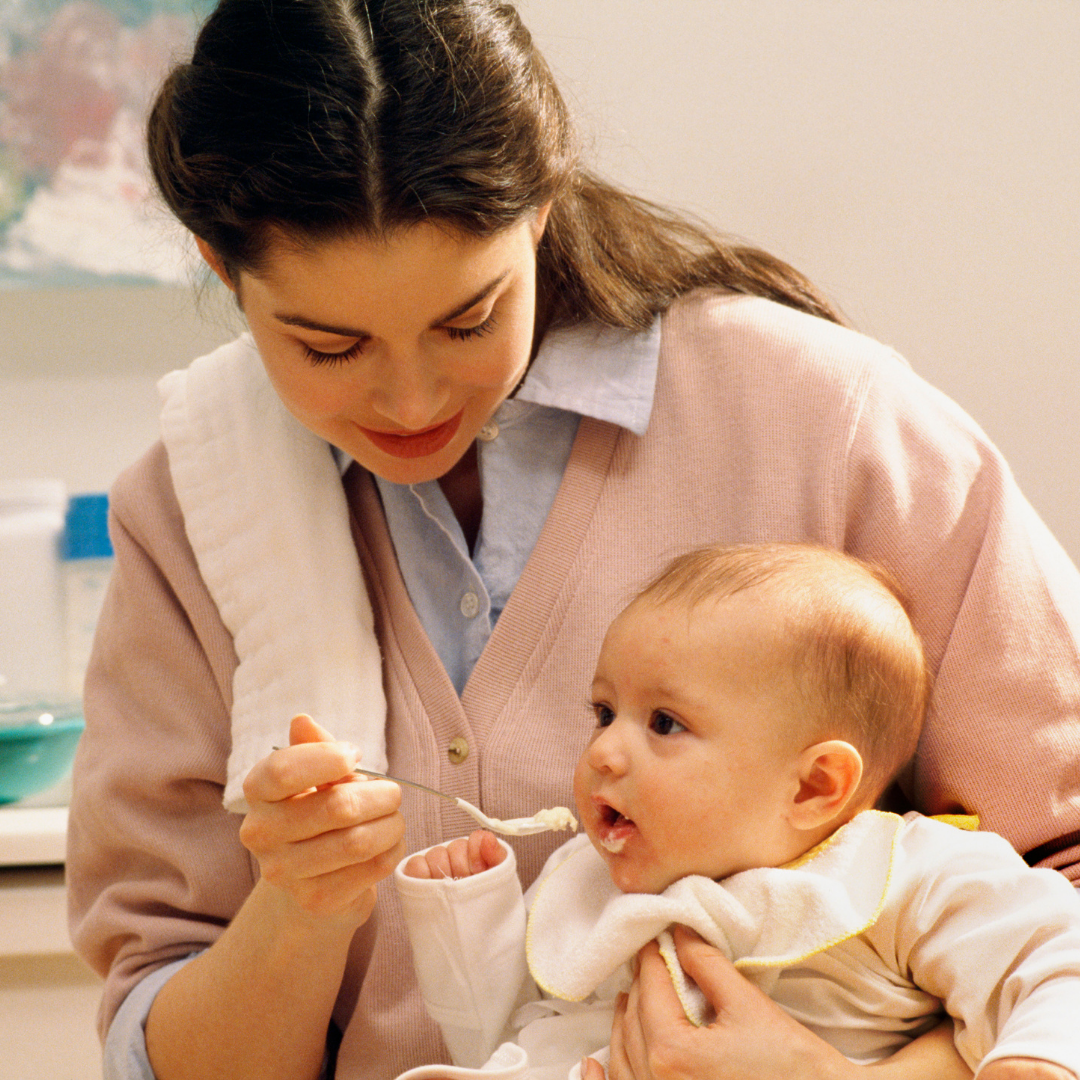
{"x":750,"y":1037}
{"x":367,"y":837}
{"x":654,"y":997}
{"x":619,"y":1067}
{"x":303,"y":729}
{"x":321,"y":835}
{"x":315,"y":811}
{"x":312,"y":759}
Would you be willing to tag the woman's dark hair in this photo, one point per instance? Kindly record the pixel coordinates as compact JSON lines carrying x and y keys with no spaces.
{"x":326,"y":118}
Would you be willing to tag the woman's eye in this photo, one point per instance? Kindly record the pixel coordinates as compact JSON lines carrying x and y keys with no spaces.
{"x":332,"y":358}
{"x":663,"y":724}
{"x":467,"y":333}
{"x":604,"y":715}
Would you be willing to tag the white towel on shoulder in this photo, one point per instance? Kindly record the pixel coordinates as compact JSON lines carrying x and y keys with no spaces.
{"x":266,"y":515}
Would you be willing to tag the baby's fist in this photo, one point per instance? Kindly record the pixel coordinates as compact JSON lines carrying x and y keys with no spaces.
{"x":458,"y":859}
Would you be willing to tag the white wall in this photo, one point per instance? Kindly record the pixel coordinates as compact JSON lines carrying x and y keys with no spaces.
{"x":78,"y":370}
{"x":919,"y":159}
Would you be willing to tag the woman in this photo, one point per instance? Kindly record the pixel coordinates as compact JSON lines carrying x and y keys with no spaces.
{"x":537,"y":389}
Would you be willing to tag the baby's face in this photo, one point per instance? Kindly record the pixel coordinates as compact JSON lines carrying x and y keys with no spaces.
{"x":693,"y":760}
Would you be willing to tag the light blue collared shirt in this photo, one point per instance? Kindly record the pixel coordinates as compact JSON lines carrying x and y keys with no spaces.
{"x":583,"y":371}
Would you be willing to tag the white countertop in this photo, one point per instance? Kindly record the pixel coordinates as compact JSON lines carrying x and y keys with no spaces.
{"x":33,"y":831}
{"x":32,"y":835}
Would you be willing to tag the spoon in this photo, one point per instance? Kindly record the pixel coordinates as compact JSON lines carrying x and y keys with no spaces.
{"x":556,"y":819}
{"x":546,"y":820}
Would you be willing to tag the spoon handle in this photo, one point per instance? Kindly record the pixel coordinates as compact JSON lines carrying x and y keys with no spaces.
{"x":410,"y":783}
{"x":515,"y":827}
{"x":397,"y":780}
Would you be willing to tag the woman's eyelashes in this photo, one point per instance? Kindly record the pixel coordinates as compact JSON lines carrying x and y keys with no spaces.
{"x":466,"y":333}
{"x":455,"y":333}
{"x":342,"y":357}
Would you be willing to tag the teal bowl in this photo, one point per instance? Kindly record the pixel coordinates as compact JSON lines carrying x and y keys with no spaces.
{"x":37,"y":745}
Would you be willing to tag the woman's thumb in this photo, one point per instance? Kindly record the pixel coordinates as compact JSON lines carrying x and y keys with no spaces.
{"x":716,"y":976}
{"x":591,"y":1069}
{"x":302,"y":729}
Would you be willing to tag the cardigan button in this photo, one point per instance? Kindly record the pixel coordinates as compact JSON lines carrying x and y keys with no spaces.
{"x":458,"y":750}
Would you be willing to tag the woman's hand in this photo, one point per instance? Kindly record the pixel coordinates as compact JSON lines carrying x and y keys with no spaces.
{"x":750,"y":1038}
{"x":461,"y":858}
{"x":1025,"y":1069}
{"x":323,"y":836}
{"x":256,"y":1005}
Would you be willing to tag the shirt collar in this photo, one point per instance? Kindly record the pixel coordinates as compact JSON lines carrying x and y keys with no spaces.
{"x":598,"y":371}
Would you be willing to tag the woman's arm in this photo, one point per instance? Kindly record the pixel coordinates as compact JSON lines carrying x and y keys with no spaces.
{"x":257,"y":1003}
{"x":751,"y":1037}
{"x":157,"y":869}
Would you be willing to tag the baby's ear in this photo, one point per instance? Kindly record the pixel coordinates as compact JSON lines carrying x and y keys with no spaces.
{"x":828,"y":774}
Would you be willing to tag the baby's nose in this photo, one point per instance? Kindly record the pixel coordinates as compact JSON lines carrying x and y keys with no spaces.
{"x":607,"y":752}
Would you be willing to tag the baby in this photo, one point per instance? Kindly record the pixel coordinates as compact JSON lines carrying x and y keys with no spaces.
{"x":752,"y":704}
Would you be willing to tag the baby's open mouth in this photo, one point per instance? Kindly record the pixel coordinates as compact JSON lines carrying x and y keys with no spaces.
{"x":614,"y":828}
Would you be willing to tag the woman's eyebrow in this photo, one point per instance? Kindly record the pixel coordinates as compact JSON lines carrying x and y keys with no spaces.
{"x":351,"y":331}
{"x":481,"y":294}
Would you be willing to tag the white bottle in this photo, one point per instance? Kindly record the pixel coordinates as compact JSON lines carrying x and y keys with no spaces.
{"x":87,"y":563}
{"x":32,"y":652}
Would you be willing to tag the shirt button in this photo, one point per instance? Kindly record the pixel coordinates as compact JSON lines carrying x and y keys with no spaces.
{"x":457,"y":751}
{"x":470,"y":605}
{"x":488,"y":432}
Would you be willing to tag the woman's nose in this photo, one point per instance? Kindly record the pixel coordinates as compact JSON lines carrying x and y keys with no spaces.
{"x":408,"y":393}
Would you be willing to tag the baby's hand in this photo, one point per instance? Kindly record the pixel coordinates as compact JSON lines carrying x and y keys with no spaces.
{"x":1025,"y":1069}
{"x":458,"y":859}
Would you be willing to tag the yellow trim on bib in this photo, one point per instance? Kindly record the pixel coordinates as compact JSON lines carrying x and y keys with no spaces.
{"x":789,"y":961}
{"x":967,"y":822}
{"x":678,"y":981}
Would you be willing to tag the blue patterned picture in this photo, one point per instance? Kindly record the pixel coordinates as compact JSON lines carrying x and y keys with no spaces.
{"x":76,"y":79}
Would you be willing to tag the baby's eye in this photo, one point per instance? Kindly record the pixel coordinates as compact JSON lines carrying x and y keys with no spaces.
{"x":604,"y":714}
{"x":663,"y":724}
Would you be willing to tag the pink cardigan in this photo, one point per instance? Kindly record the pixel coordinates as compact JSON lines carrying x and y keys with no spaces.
{"x":768,"y":423}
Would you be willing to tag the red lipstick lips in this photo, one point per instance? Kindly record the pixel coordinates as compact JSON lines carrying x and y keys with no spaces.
{"x":415,"y":444}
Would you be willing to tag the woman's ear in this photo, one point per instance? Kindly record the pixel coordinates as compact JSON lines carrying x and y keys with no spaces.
{"x":828,"y":775}
{"x":539,"y":222}
{"x":213,"y":260}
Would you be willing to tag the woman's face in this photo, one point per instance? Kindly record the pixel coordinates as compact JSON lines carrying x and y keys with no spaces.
{"x":397,"y":351}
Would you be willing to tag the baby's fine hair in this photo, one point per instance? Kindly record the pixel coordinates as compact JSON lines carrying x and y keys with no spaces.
{"x":858,"y":660}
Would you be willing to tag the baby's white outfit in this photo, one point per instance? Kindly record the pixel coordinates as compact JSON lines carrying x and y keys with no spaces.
{"x":866,"y":940}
